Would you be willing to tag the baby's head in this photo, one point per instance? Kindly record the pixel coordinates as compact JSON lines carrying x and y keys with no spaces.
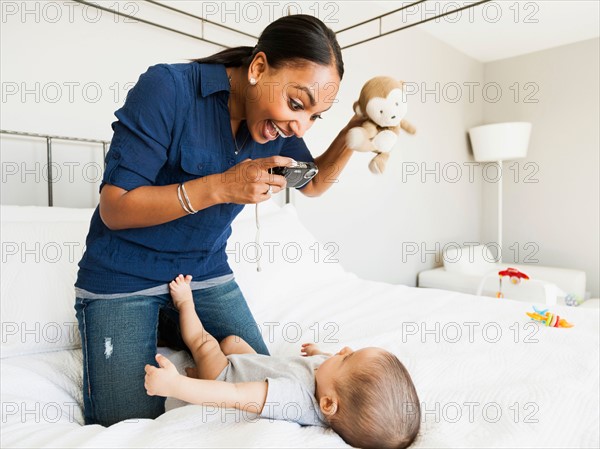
{"x":368,"y":398}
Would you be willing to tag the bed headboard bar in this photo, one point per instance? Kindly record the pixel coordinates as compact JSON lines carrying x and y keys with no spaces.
{"x":49,"y":139}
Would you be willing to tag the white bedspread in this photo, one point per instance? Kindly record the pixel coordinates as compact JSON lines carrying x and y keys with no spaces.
{"x":502,"y":382}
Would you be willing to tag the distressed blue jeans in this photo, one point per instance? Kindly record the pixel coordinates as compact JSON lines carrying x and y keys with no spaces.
{"x":119,"y":337}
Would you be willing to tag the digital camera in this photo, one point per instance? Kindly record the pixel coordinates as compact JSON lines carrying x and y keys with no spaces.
{"x":298,"y":175}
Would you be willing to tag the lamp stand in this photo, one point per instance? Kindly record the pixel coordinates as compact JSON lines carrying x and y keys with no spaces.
{"x":495,"y":143}
{"x":500,"y":211}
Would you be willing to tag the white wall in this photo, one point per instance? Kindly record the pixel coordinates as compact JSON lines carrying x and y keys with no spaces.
{"x":552,"y":206}
{"x":384,"y":225}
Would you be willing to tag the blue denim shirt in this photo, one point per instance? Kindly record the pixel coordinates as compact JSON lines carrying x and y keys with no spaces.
{"x":174,"y":127}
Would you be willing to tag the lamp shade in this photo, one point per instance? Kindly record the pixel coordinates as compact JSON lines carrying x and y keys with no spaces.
{"x":500,"y":141}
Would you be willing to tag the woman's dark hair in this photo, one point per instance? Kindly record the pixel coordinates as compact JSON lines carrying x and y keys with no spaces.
{"x":287,"y":41}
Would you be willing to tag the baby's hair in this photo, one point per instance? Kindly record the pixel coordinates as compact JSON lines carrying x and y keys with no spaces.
{"x":378,"y":406}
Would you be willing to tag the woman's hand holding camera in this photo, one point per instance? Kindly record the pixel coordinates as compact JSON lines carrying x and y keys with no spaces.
{"x":250,"y":182}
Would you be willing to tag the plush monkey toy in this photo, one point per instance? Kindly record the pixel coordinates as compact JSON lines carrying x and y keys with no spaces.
{"x":382,"y":102}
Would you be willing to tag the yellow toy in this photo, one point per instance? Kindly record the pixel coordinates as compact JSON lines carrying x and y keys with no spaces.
{"x":547,"y":318}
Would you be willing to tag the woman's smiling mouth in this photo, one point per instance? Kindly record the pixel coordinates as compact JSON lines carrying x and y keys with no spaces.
{"x":271,"y":131}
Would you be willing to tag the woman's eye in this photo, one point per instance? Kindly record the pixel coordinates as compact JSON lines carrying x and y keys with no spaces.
{"x":315,"y":117}
{"x":296,"y":106}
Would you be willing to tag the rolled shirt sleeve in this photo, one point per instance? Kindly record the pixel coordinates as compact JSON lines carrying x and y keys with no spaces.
{"x":143,"y":131}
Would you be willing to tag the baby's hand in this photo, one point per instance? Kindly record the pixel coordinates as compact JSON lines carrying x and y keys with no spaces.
{"x":180,"y":290}
{"x":160,"y":381}
{"x":309,"y":349}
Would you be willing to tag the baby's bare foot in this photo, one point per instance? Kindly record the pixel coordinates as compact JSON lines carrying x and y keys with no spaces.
{"x":180,"y":290}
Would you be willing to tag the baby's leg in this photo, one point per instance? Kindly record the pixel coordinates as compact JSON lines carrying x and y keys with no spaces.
{"x":229,"y":345}
{"x":209,"y":358}
{"x":235,"y":345}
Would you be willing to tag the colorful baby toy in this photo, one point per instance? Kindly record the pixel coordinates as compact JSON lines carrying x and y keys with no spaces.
{"x":515,"y":277}
{"x":573,"y":300}
{"x":547,"y":318}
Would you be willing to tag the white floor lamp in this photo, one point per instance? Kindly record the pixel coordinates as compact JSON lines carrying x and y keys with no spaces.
{"x":496,"y":143}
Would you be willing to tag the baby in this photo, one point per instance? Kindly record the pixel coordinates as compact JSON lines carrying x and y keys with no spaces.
{"x":366,"y":396}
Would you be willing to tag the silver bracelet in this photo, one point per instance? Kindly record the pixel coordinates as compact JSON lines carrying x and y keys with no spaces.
{"x":181,"y":200}
{"x":187,"y":199}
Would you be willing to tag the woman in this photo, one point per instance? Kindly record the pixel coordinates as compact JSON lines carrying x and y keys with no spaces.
{"x":192,"y":145}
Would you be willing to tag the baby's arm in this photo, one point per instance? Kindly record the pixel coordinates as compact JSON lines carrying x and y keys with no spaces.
{"x":247,"y":396}
{"x":309,"y":349}
{"x":207,"y":353}
{"x":166,"y":381}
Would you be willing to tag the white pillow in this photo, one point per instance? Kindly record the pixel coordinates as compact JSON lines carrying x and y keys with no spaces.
{"x":291,"y":257}
{"x":473,"y":260}
{"x":41,"y":247}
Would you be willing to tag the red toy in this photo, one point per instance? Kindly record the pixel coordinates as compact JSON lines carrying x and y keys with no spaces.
{"x":515,"y":275}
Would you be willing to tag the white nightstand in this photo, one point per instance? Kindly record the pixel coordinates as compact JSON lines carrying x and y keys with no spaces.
{"x":570,"y":281}
{"x":593,"y":303}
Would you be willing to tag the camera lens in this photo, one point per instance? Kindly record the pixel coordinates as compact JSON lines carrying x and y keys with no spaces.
{"x":310,"y":173}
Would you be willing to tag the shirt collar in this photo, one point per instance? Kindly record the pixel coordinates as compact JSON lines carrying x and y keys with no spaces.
{"x":213,"y":78}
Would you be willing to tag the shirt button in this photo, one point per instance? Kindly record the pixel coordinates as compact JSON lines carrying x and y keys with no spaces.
{"x":231,"y":161}
{"x":200,"y":166}
{"x":116,"y":155}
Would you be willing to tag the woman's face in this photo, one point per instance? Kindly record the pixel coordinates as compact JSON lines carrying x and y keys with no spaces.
{"x":289,"y":100}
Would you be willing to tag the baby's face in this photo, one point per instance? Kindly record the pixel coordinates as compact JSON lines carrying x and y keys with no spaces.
{"x":341,"y":364}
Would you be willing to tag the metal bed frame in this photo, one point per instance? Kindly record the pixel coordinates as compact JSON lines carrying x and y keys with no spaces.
{"x":49,"y":139}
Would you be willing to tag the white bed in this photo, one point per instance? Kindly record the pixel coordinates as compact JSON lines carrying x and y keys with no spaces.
{"x":503,"y":382}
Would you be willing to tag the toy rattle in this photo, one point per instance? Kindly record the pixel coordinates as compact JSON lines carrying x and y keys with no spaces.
{"x":573,"y":300}
{"x":547,"y":318}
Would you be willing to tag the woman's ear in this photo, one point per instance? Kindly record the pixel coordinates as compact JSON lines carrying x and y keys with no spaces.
{"x":258,"y":66}
{"x":328,"y":405}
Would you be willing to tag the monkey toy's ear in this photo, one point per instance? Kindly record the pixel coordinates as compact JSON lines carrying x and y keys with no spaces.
{"x":357,"y":109}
